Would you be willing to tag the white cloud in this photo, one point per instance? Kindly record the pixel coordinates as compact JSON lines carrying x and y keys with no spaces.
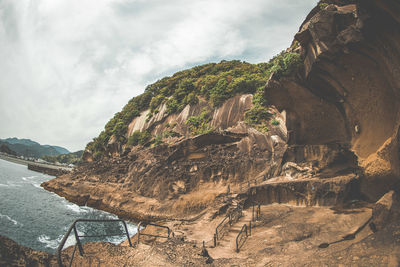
{"x":67,"y":66}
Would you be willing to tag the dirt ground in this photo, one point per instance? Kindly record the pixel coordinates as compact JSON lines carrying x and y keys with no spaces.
{"x":284,"y":235}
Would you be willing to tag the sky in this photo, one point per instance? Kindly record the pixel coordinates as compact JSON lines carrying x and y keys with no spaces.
{"x":68,"y":66}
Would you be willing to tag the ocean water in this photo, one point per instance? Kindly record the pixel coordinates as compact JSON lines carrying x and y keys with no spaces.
{"x":38,"y":219}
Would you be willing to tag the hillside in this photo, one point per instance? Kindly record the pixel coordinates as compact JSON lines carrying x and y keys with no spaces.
{"x":211,"y":83}
{"x":29,"y":148}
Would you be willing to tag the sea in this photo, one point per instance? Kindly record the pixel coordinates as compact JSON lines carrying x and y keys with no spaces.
{"x":39,"y":219}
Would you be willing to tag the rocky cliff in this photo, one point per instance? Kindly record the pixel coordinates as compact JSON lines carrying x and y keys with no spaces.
{"x":184,"y":174}
{"x":349,"y":92}
{"x":335,"y":116}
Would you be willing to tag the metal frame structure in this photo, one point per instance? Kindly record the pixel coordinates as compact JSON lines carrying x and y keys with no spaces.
{"x":78,"y":241}
{"x":153,"y":224}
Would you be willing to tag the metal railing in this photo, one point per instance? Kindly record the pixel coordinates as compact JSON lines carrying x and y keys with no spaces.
{"x":78,"y":241}
{"x":242,"y":237}
{"x":256,"y":212}
{"x":227,"y":221}
{"x":222,"y":228}
{"x":142,"y":224}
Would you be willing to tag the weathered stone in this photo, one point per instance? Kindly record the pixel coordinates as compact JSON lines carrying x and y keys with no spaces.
{"x":349,"y":91}
{"x":12,"y":254}
{"x":386,"y":210}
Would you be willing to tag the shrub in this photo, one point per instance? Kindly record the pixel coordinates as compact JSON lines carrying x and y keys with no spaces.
{"x":257,"y":115}
{"x":323,"y":5}
{"x":97,"y":155}
{"x":138,"y":138}
{"x":168,"y":133}
{"x":286,"y":64}
{"x":155,"y":102}
{"x":157,"y":141}
{"x":275,"y":122}
{"x":200,"y":124}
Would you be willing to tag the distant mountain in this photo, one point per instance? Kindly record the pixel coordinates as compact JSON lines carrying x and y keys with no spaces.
{"x":15,"y":140}
{"x":29,"y":148}
{"x":60,"y":149}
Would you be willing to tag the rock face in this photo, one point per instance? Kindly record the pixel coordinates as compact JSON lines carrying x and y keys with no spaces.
{"x":184,"y":175}
{"x":349,"y":92}
{"x":12,"y":254}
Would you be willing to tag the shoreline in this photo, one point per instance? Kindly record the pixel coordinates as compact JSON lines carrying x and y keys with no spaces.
{"x":49,"y":169}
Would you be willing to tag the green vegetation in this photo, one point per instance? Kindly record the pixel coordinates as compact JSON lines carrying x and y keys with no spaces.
{"x":70,"y":158}
{"x":213,"y":82}
{"x":139,"y":138}
{"x":323,"y":5}
{"x":286,"y":64}
{"x":275,"y":122}
{"x":157,"y":141}
{"x":200,"y":124}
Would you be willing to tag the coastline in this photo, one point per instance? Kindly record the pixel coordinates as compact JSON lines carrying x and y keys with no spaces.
{"x":50,"y":169}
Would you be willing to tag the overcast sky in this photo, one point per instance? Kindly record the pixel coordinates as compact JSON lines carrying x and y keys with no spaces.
{"x":67,"y":66}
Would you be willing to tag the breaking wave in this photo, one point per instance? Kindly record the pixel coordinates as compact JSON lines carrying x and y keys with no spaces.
{"x":10,"y":219}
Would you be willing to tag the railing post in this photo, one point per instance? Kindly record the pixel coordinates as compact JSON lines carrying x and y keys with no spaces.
{"x":78,"y":241}
{"x":237,"y":245}
{"x":252,"y":214}
{"x":127,"y":233}
{"x":138,"y":232}
{"x":250,"y":228}
{"x":215,"y":240}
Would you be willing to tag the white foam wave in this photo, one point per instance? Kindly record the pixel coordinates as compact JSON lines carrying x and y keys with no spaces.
{"x":10,"y":219}
{"x":78,"y":209}
{"x":4,"y":185}
{"x":26,"y":179}
{"x":11,"y":184}
{"x":54,"y":243}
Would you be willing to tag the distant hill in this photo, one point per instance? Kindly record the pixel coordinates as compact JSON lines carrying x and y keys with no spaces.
{"x":5,"y":149}
{"x":29,"y":148}
{"x":70,"y":158}
{"x":60,"y":150}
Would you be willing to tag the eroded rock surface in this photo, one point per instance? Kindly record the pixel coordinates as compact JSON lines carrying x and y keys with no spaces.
{"x":184,"y":176}
{"x":349,"y":92}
